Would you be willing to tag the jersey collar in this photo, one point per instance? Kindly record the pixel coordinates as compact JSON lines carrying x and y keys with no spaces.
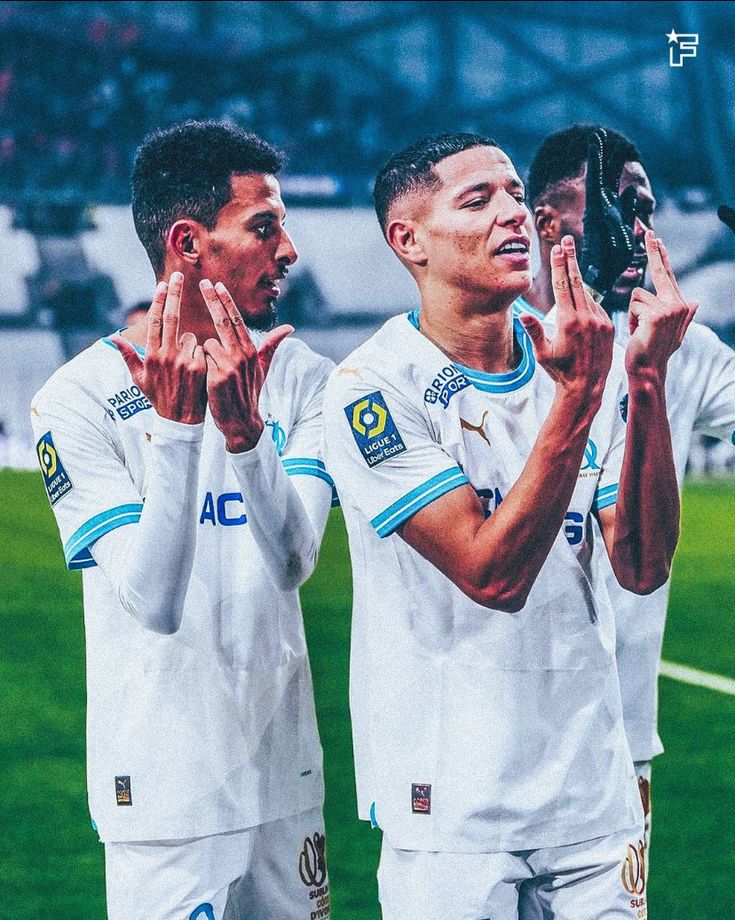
{"x":497,"y":383}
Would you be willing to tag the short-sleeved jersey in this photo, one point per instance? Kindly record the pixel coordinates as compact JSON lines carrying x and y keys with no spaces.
{"x":700,"y":397}
{"x":212,"y":728}
{"x":474,"y":729}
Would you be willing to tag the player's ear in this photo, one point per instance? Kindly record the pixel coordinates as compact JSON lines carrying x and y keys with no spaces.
{"x":547,"y":222}
{"x":401,"y":235}
{"x":185,"y":241}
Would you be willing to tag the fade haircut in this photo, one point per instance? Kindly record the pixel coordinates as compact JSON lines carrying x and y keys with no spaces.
{"x":186,"y":171}
{"x":562,"y":156}
{"x":413,"y":168}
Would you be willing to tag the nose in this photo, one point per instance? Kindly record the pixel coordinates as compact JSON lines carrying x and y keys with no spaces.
{"x":286,"y":254}
{"x":513,"y":212}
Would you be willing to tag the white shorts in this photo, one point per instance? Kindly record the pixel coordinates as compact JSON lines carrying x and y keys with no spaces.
{"x":275,"y":870}
{"x":601,"y":879}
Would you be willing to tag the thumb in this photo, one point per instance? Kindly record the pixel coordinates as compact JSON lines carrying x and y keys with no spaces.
{"x":535,"y":329}
{"x":130,"y":357}
{"x":270,"y":343}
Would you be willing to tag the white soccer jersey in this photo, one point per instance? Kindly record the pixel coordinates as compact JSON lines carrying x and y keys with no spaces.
{"x":212,"y":728}
{"x":700,"y":396}
{"x":474,"y":730}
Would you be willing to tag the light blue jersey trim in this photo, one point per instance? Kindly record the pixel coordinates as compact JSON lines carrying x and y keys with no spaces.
{"x":521,"y":305}
{"x":307,"y":466}
{"x":395,"y":515}
{"x":497,"y":383}
{"x":335,"y":498}
{"x":605,"y":497}
{"x":505,"y":383}
{"x":108,"y":341}
{"x":76,"y":550}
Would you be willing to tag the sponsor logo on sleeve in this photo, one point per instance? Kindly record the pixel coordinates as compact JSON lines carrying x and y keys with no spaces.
{"x":55,"y":478}
{"x":624,"y":408}
{"x":447,"y":382}
{"x":421,"y":798}
{"x":128,"y":403}
{"x":373,"y":429}
{"x":123,"y":793}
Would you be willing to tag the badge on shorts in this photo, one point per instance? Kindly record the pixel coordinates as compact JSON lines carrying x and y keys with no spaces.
{"x":421,"y":798}
{"x":55,"y":477}
{"x":122,"y":790}
{"x":373,"y":429}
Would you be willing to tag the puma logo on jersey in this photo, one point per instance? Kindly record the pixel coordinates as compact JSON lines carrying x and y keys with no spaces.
{"x":468,"y":426}
{"x":350,"y":372}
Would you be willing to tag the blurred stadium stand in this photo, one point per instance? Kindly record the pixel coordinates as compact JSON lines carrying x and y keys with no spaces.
{"x":339,"y":85}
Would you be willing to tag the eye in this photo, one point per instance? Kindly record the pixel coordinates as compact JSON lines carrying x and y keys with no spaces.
{"x":475,"y":203}
{"x":264,"y":230}
{"x":520,"y":197}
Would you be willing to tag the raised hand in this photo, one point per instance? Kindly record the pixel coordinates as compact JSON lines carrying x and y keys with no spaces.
{"x":609,"y":241}
{"x":579,"y":355}
{"x":236,"y":369}
{"x":657,"y":322}
{"x":173,"y":372}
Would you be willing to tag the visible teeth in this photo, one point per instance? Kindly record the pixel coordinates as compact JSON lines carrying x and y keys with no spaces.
{"x":514,"y":247}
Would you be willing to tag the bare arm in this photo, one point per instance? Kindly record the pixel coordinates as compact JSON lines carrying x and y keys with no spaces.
{"x":496,"y":561}
{"x":641,"y":531}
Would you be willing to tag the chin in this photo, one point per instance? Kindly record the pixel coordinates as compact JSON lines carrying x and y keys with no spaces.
{"x":263,"y":320}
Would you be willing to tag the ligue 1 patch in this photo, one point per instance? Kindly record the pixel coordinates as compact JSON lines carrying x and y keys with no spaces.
{"x":373,"y":429}
{"x":123,"y":793}
{"x":55,"y":478}
{"x":421,"y":798}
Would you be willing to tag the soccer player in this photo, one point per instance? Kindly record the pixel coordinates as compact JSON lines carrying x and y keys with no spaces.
{"x":470,"y":452}
{"x":568,"y":196}
{"x":182,"y":461}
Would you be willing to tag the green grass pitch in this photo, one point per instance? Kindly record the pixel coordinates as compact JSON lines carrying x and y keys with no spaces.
{"x":51,"y":863}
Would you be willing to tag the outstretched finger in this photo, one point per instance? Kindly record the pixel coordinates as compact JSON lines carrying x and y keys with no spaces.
{"x":269,"y":345}
{"x":154,"y":319}
{"x":560,"y":283}
{"x":171,"y":310}
{"x":220,"y":317}
{"x":667,"y":265}
{"x":576,"y":285}
{"x":238,"y":323}
{"x":659,"y":275}
{"x":130,"y":357}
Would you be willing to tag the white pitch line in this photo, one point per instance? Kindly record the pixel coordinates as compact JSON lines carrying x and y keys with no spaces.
{"x":698,"y":678}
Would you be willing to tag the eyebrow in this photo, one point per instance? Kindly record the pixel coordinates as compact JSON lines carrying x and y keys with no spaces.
{"x":262,"y":215}
{"x":485,"y":186}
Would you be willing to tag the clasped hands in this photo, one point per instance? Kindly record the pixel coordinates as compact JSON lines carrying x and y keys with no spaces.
{"x":180,"y":377}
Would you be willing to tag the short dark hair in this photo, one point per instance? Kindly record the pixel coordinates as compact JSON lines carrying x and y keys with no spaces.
{"x":185,"y":171}
{"x":562,"y":155}
{"x":412,"y":168}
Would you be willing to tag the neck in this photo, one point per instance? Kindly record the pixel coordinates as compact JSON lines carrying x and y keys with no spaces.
{"x":541,"y":295}
{"x":478,"y":337}
{"x":193,"y":316}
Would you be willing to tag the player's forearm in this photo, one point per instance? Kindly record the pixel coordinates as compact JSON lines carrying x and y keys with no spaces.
{"x":150,"y":564}
{"x":286,"y":534}
{"x":513,"y":544}
{"x":647,"y":511}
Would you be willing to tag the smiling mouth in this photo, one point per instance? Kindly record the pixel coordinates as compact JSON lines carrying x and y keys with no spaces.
{"x":272,"y":282}
{"x":517,"y":248}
